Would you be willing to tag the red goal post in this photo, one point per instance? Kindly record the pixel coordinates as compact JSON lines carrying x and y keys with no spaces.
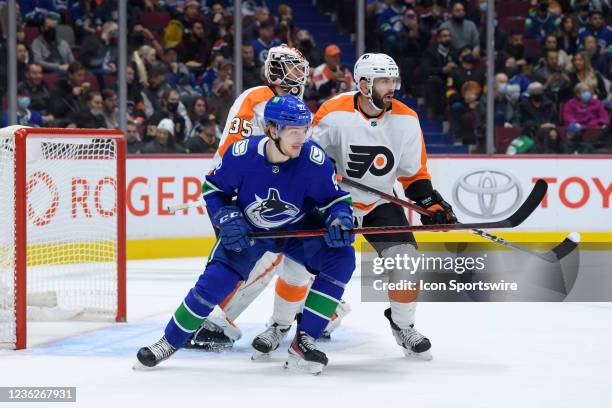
{"x":62,"y":229}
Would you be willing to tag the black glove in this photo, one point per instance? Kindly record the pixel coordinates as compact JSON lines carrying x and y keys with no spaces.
{"x":442,"y":211}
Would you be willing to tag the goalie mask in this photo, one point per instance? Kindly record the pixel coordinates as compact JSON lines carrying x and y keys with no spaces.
{"x":287,"y":68}
{"x":371,"y":66}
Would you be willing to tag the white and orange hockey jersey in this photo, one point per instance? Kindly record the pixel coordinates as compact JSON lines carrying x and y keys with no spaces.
{"x":245,"y":117}
{"x":373,"y":151}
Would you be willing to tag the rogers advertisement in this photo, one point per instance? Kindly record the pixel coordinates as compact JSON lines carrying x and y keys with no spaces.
{"x":580,"y":189}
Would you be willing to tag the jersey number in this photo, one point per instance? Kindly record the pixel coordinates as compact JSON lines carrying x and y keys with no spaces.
{"x":245,"y":130}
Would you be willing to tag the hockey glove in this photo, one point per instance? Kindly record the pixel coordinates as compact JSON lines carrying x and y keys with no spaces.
{"x":442,"y":211}
{"x":233,"y":228}
{"x":339,"y":225}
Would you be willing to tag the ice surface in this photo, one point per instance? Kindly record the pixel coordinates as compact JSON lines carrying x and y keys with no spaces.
{"x":485,"y":355}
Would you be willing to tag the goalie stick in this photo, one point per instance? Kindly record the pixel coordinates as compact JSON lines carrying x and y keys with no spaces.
{"x":529,"y":205}
{"x":561,"y":250}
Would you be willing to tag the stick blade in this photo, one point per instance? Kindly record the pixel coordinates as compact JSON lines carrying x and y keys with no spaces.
{"x":567,"y":246}
{"x":530,"y":204}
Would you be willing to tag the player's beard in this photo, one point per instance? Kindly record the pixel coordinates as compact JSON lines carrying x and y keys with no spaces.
{"x":379,"y":101}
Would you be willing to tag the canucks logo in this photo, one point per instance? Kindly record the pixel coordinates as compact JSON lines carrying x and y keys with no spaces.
{"x":270,"y":212}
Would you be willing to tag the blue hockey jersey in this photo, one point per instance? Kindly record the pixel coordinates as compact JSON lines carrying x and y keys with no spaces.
{"x":274,"y":196}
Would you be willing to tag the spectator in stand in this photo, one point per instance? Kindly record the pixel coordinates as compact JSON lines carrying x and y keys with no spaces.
{"x":23,"y":58}
{"x":434,"y":15}
{"x":306,"y":45}
{"x":204,"y":136}
{"x":197,"y":110}
{"x":464,"y":33}
{"x":550,"y":142}
{"x":437,"y":65}
{"x":583,"y":8}
{"x":178,"y":76}
{"x":144,"y":59}
{"x":82,"y":13}
{"x":265,"y":41}
{"x":331,"y":78}
{"x":153,"y":93}
{"x":567,"y":35}
{"x":557,"y":83}
{"x":52,"y":54}
{"x":565,"y":61}
{"x":542,"y":22}
{"x":466,"y":84}
{"x":134,"y":95}
{"x":598,"y":29}
{"x":141,"y":36}
{"x":505,"y":108}
{"x":221,"y":22}
{"x":480,"y":19}
{"x":196,"y":45}
{"x":287,"y":29}
{"x":91,"y":116}
{"x":575,"y":145}
{"x":223,"y":90}
{"x":412,"y":40}
{"x":110,"y":109}
{"x":37,"y":89}
{"x":66,"y":95}
{"x":34,"y":11}
{"x":170,"y":107}
{"x":251,"y":32}
{"x":584,"y":72}
{"x":191,"y":14}
{"x":585,"y":109}
{"x":163,"y":142}
{"x":25,"y":116}
{"x":99,"y":52}
{"x":600,"y":58}
{"x":391,"y":17}
{"x":132,"y":138}
{"x":537,"y":111}
{"x":251,"y":70}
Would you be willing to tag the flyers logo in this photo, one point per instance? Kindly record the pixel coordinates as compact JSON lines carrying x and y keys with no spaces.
{"x":378,"y":160}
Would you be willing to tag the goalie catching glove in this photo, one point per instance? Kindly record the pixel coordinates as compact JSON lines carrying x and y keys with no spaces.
{"x":233,"y":228}
{"x":442,"y":211}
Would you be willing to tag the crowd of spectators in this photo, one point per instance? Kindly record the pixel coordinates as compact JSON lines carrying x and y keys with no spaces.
{"x":552,"y":65}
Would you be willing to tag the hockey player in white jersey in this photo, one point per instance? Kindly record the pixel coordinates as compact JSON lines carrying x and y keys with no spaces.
{"x":376,"y":140}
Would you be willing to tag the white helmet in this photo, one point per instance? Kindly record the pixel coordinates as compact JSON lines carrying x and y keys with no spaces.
{"x":287,"y":68}
{"x":370,"y":66}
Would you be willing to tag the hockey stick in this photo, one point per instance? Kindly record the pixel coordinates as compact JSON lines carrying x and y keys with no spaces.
{"x":529,"y":205}
{"x":184,"y":206}
{"x":564,"y":248}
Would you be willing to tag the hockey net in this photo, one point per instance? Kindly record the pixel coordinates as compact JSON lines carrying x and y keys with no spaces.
{"x":62,"y":227}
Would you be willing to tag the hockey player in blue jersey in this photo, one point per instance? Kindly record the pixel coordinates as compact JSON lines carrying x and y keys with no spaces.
{"x":279,"y":181}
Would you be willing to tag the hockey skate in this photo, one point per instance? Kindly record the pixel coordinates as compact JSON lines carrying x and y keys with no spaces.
{"x":151,"y":356}
{"x":413,"y":343}
{"x":304,"y":355}
{"x":269,"y":340}
{"x":215,"y":334}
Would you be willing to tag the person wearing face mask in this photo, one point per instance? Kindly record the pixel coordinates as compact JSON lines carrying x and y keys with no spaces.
{"x":437,"y":64}
{"x":464,"y":33}
{"x":25,"y":116}
{"x":52,"y":54}
{"x":91,"y":115}
{"x":584,"y":72}
{"x":306,"y":45}
{"x":585,"y":109}
{"x":99,"y":51}
{"x":542,"y":22}
{"x":536,"y":111}
{"x":171,"y":103}
{"x":505,"y":106}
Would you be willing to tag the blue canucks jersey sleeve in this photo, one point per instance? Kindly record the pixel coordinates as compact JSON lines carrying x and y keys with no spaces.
{"x":223,"y":182}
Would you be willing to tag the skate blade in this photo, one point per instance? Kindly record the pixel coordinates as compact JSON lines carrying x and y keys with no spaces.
{"x":259,"y":356}
{"x":425,"y":356}
{"x":297,"y":364}
{"x":138,"y":366}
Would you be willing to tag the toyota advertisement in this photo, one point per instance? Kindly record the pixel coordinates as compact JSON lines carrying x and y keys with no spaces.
{"x":479,"y":189}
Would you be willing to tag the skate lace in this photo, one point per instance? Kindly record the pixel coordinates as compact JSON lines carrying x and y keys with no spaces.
{"x":162,"y":349}
{"x":307,"y":342}
{"x":273,"y":335}
{"x":411,"y":336}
